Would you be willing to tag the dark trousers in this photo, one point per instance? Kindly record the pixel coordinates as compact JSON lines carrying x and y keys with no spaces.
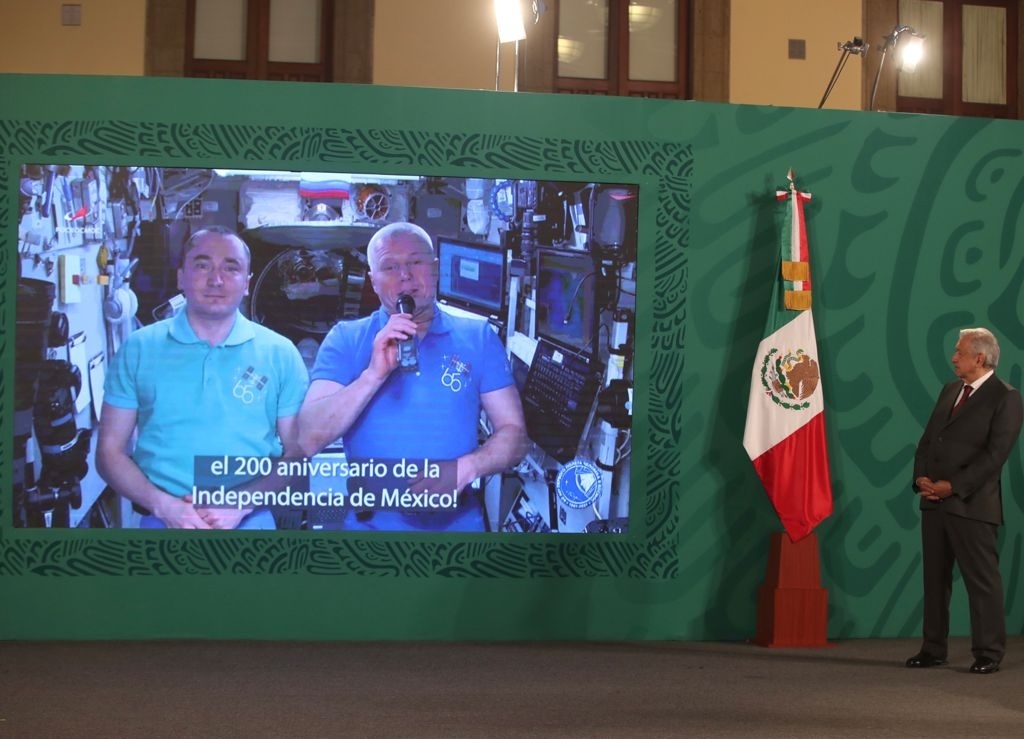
{"x":974,"y":547}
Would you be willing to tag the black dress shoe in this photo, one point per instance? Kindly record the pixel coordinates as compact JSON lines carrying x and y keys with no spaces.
{"x":923,"y":659}
{"x":985,"y":666}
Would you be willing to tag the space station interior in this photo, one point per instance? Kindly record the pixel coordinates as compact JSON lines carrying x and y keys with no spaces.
{"x":551,"y":265}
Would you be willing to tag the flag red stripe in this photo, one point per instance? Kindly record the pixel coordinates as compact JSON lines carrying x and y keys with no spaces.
{"x":796,"y":476}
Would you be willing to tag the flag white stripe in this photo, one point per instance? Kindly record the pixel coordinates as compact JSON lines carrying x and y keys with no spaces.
{"x":768,"y":423}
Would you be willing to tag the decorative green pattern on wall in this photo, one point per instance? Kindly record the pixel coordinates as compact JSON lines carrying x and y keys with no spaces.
{"x":915,"y":232}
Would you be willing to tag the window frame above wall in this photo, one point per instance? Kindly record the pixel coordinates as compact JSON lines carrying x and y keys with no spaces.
{"x":257,"y":65}
{"x":539,"y":68}
{"x":881,"y":16}
{"x":952,"y":102}
{"x":617,"y":80}
{"x":352,"y":35}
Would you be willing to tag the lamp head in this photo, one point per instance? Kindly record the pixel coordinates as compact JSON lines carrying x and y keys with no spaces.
{"x":509,"y":15}
{"x":911,"y":52}
{"x":911,"y":49}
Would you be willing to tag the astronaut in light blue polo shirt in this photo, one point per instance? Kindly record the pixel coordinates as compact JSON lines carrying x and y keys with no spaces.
{"x":426,"y":418}
{"x":207,"y":382}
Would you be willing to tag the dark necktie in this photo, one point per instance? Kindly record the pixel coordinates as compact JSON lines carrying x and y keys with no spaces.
{"x":963,"y":399}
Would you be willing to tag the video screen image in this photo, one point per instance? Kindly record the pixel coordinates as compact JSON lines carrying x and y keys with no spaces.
{"x":216,"y":349}
{"x":472,"y":275}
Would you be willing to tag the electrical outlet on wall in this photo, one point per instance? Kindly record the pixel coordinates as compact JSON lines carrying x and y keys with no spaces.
{"x":71,"y":14}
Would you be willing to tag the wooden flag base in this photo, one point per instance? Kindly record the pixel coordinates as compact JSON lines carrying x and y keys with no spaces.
{"x":792,"y":607}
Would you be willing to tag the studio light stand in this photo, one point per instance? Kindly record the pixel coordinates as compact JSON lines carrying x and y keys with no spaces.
{"x":509,"y":15}
{"x":856,"y":46}
{"x":910,"y":55}
{"x":512,"y":27}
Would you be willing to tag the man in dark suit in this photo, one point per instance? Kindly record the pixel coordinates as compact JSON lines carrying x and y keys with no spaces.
{"x":957,"y":469}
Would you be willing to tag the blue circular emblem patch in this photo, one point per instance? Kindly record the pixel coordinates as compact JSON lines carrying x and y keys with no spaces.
{"x":578,"y":483}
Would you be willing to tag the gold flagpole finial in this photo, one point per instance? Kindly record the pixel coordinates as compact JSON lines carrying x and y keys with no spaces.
{"x":789,"y":176}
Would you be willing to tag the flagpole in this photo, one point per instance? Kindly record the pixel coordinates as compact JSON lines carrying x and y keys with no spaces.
{"x":785,"y":439}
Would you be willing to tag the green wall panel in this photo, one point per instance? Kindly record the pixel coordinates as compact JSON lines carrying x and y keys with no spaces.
{"x":913,"y":230}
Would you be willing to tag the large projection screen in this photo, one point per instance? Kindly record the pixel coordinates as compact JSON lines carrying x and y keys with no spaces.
{"x":389,"y":137}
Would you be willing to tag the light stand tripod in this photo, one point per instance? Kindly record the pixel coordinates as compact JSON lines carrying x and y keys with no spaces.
{"x":856,"y":46}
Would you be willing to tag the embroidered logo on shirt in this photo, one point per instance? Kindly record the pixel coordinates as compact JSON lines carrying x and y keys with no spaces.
{"x":454,"y":373}
{"x":249,"y":386}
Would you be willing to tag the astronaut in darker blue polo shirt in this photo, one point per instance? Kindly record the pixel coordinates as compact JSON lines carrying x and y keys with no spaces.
{"x":418,"y":426}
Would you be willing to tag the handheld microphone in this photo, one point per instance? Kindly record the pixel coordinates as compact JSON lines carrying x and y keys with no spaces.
{"x":408,"y":359}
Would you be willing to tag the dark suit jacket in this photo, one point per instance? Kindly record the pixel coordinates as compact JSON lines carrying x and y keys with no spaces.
{"x":970,"y":449}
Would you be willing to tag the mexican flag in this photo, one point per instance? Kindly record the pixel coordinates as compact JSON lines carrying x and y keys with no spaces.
{"x":785,"y":430}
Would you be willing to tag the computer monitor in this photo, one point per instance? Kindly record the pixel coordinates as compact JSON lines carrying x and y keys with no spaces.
{"x":472,"y":276}
{"x":565,"y":297}
{"x":557,"y":396}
